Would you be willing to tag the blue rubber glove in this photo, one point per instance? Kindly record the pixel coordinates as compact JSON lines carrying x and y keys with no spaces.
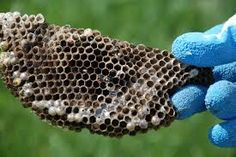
{"x":214,"y":48}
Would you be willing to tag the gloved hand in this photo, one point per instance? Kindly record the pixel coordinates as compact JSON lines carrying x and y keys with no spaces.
{"x":214,"y":48}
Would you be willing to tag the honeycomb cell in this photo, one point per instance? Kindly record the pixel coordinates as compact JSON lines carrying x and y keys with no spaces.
{"x":77,"y":78}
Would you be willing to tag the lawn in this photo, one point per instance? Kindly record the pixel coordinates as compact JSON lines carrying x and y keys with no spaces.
{"x":155,"y":23}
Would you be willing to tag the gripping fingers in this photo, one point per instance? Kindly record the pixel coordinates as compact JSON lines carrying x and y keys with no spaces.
{"x":223,"y":134}
{"x":189,"y":100}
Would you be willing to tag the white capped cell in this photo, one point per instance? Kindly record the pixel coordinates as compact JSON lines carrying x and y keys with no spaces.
{"x":16,"y":74}
{"x":24,"y":76}
{"x":3,"y":45}
{"x":88,"y":32}
{"x":131,"y":126}
{"x":28,"y":92}
{"x":60,"y":111}
{"x":52,"y":111}
{"x":71,"y":117}
{"x":78,"y":117}
{"x":17,"y":81}
{"x":155,"y":120}
{"x":143,"y":124}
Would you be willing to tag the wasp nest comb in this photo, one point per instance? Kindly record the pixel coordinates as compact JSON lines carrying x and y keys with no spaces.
{"x":77,"y":78}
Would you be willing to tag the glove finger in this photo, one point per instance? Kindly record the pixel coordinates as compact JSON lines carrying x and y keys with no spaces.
{"x":189,"y":100}
{"x":221,"y":100}
{"x":225,"y":72}
{"x":214,"y":30}
{"x":223,"y":134}
{"x":214,"y":47}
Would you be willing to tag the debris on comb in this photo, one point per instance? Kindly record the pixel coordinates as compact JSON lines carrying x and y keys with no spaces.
{"x":77,"y":78}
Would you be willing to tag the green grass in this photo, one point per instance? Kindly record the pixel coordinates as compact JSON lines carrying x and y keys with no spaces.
{"x":153,"y":22}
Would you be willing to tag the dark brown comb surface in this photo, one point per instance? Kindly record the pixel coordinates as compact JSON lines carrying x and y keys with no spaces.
{"x":77,"y":78}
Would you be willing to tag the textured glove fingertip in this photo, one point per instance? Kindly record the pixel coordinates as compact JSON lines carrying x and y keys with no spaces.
{"x":223,"y":134}
{"x":221,"y":101}
{"x":214,"y":30}
{"x":184,"y":48}
{"x":199,"y":48}
{"x":189,"y":100}
{"x":225,"y":72}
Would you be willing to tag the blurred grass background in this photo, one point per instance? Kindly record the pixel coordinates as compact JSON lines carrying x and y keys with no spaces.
{"x":153,"y":22}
